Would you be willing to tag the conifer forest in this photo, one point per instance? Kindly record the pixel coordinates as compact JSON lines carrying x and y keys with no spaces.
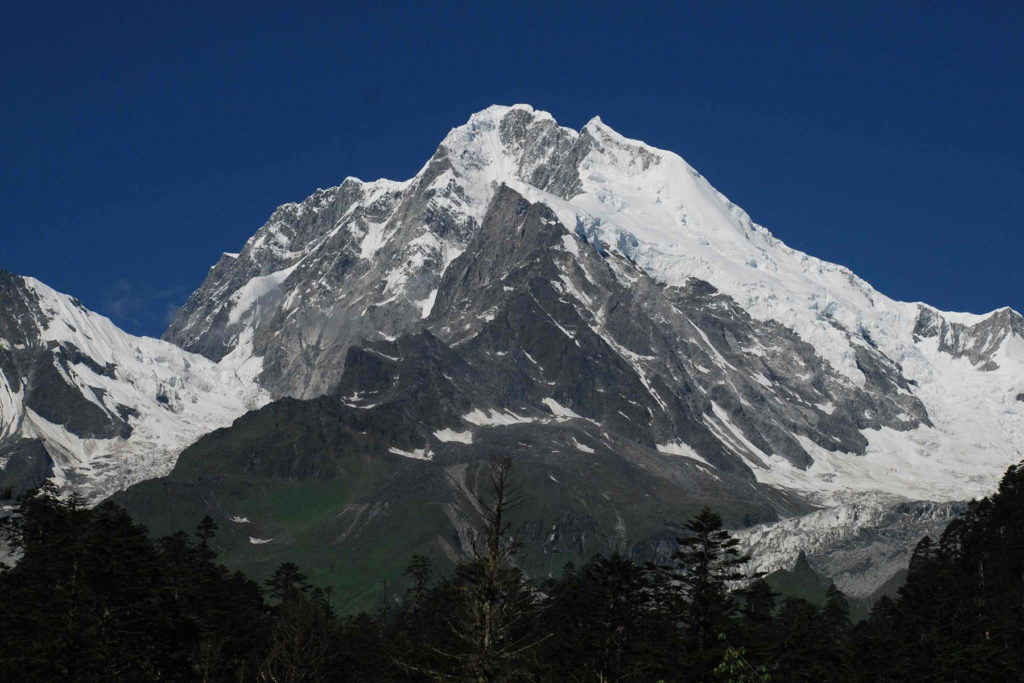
{"x":93,"y":597}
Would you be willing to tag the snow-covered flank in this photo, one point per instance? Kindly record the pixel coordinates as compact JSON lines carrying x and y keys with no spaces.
{"x":259,"y":541}
{"x":558,"y":410}
{"x":447,"y":435}
{"x":10,"y":408}
{"x":583,"y":448}
{"x":250,"y":294}
{"x":427,"y":304}
{"x":495,"y":418}
{"x":417,"y":454}
{"x":178,"y":396}
{"x":372,"y":240}
{"x":239,"y":520}
{"x":680,"y":448}
{"x":655,"y":208}
{"x":482,"y":161}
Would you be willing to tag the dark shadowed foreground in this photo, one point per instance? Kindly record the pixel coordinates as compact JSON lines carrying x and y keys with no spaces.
{"x":94,"y":598}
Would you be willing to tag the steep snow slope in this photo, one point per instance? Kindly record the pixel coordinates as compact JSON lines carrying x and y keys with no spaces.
{"x":364,"y":260}
{"x":664,"y":215}
{"x":109,"y":408}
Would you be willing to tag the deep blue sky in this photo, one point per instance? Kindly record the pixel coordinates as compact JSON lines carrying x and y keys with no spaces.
{"x":139,"y":141}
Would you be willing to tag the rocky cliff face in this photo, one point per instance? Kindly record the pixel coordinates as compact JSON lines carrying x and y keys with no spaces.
{"x":547,"y":315}
{"x":979,"y":342}
{"x":363,"y":260}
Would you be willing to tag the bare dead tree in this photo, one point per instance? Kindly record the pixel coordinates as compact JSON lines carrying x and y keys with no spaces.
{"x":492,"y":620}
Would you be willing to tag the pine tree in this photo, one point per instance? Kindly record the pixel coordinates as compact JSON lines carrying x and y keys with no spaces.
{"x":86,"y":600}
{"x":287,"y":583}
{"x":420,"y":571}
{"x":706,"y":562}
{"x":205,"y":531}
{"x":799,"y":643}
{"x":874,"y":647}
{"x":604,"y":624}
{"x":835,"y":615}
{"x":758,"y":620}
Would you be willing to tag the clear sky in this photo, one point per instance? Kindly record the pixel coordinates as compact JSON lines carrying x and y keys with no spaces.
{"x":140,"y":140}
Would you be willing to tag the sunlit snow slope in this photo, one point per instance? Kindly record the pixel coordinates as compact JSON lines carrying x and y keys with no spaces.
{"x":107,"y":408}
{"x":969,"y":369}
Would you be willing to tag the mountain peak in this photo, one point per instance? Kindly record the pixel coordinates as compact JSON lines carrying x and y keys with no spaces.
{"x":499,"y":111}
{"x":596,"y":126}
{"x":366,"y":261}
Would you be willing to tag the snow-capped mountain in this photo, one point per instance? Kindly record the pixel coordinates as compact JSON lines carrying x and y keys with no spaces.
{"x":583,"y":300}
{"x":92,"y":407}
{"x":364,"y":261}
